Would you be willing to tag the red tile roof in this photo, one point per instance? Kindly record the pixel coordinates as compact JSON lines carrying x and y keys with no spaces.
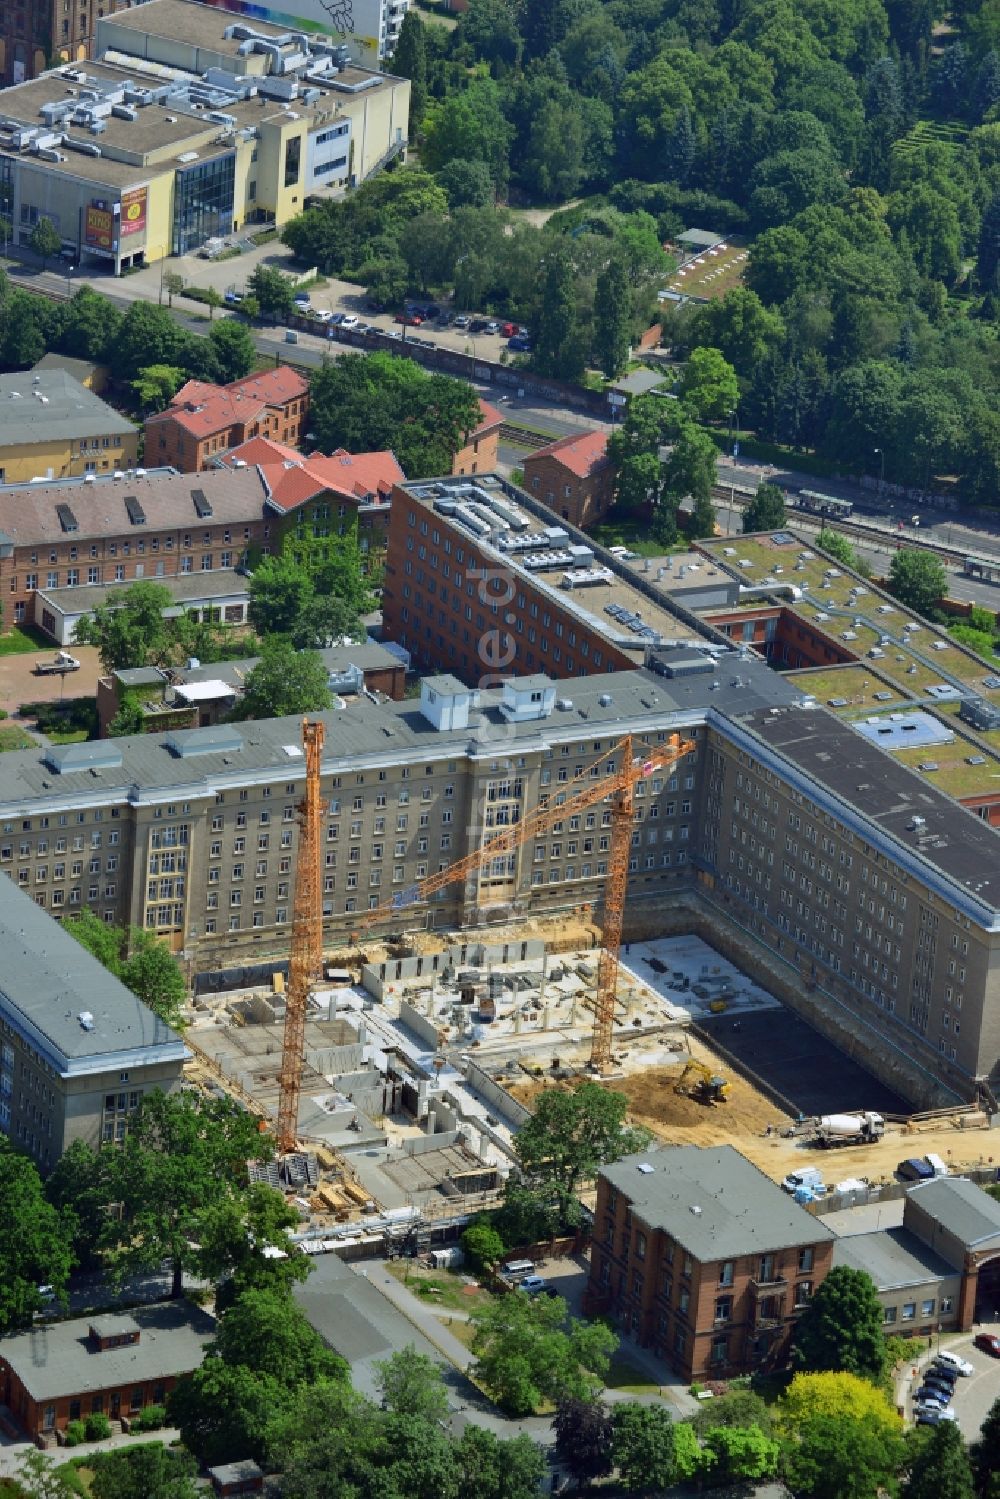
{"x":203,"y":409}
{"x":583,"y":453}
{"x":491,"y":418}
{"x":293,"y":479}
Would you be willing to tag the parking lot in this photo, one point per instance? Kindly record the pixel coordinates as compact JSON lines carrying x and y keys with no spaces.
{"x":466,"y":333}
{"x":974,"y":1393}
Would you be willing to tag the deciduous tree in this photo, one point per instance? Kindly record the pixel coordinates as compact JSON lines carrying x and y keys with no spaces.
{"x":412,"y":1384}
{"x":284,"y":681}
{"x":918,"y":580}
{"x":572,"y":1132}
{"x":34,"y":1241}
{"x":613,"y":318}
{"x":841,"y":1328}
{"x":766,"y":511}
{"x":133,"y":630}
{"x":45,"y":240}
{"x":651,"y":1450}
{"x":940,"y":1468}
{"x":525,"y":1353}
{"x":583,"y":1439}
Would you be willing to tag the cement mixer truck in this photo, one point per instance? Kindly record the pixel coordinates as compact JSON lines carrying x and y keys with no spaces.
{"x":849,"y":1129}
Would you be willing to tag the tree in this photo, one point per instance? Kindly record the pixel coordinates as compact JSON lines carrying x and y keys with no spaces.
{"x":34,"y":1241}
{"x":38,"y":1478}
{"x":766,"y":511}
{"x":182,"y":1156}
{"x":132,"y":631}
{"x":741,"y":1408}
{"x":482,"y":1245}
{"x":213,"y":300}
{"x":411,"y":1384}
{"x":146,"y":1471}
{"x":279,"y":591}
{"x":708,"y":385}
{"x":941,"y":1468}
{"x":573,"y":1132}
{"x":651,"y":1451}
{"x":557,"y":345}
{"x":409,"y":60}
{"x":741,"y":1454}
{"x":284,"y":681}
{"x":142,"y":961}
{"x":226,"y":1413}
{"x":489,"y":1468}
{"x":237,"y":1238}
{"x":467,"y":183}
{"x":841,"y":1328}
{"x":612,"y":318}
{"x":45,"y":240}
{"x":838,"y":547}
{"x":173,"y":285}
{"x":146,"y":335}
{"x":156,"y":385}
{"x":690,"y":469}
{"x":837,"y":1395}
{"x":273,"y":291}
{"x":841,"y":1458}
{"x":325,"y":621}
{"x":583,"y":1433}
{"x":526,"y":1354}
{"x":918,"y":579}
{"x":234,"y":349}
{"x":265,"y":1331}
{"x":985,"y":1455}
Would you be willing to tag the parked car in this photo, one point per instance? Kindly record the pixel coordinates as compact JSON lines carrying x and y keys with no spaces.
{"x":432,"y":310}
{"x":478,"y":325}
{"x":409,"y":319}
{"x":533,"y":1284}
{"x":520,"y":343}
{"x":492,"y":327}
{"x":930,"y":1416}
{"x":949,"y":1360}
{"x":301,"y":299}
{"x":928,"y":1395}
{"x":509,"y":330}
{"x":987,"y":1342}
{"x":322,"y":314}
{"x":461,"y":321}
{"x":338,"y":319}
{"x":233,"y":298}
{"x":350,"y":321}
{"x":916,"y":1169}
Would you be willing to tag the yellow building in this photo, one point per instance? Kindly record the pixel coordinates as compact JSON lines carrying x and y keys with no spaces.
{"x":192,"y":125}
{"x":51,"y":427}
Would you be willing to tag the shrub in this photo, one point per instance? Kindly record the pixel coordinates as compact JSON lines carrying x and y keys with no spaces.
{"x":97,"y":1427}
{"x":76,"y":1433}
{"x":150,"y":1419}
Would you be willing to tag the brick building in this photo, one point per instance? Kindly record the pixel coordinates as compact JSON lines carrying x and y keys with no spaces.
{"x":145,"y":524}
{"x":574,"y":477}
{"x":113,"y":1366}
{"x":702,"y":1258}
{"x":39,"y":34}
{"x":479,"y":456}
{"x":204,"y":420}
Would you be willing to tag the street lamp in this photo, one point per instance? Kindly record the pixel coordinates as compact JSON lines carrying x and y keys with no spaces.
{"x":881,"y":466}
{"x":69,"y":279}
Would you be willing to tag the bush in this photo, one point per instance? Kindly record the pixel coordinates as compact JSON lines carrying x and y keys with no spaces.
{"x":76,"y":1433}
{"x":97,"y":1427}
{"x":3,"y":713}
{"x":150,"y":1419}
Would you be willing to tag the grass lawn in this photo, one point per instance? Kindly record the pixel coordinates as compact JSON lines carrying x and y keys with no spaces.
{"x":624,"y":1375}
{"x":622,"y":528}
{"x":445,"y":1289}
{"x":22,"y":639}
{"x":13,"y":738}
{"x":70,"y":722}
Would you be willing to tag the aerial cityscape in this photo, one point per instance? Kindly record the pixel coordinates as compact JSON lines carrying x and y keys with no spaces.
{"x":499,"y":749}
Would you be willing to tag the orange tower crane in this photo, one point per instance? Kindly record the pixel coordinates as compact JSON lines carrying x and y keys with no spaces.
{"x":306,"y":956}
{"x":623,"y":771}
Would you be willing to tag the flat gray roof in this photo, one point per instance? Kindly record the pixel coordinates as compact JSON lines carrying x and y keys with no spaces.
{"x":61,"y":1358}
{"x":961,"y":1207}
{"x":48,"y":982}
{"x":386,"y":733}
{"x":68,"y":412}
{"x":922,"y":821}
{"x":894,"y":1258}
{"x":639,"y":383}
{"x":702,"y":239}
{"x":186,"y":21}
{"x":186,"y":588}
{"x":714,"y":1202}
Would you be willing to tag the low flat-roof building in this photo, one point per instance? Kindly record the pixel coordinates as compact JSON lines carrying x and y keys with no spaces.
{"x":699,"y":1256}
{"x":52,"y":427}
{"x":112,"y":1365}
{"x":919,"y":1290}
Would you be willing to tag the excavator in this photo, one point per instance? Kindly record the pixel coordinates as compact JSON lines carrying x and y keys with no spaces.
{"x":700,"y":1082}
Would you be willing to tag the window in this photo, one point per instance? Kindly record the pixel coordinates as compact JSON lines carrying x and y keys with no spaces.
{"x":805,"y":1260}
{"x":927,"y":1308}
{"x":888,"y":1315}
{"x":909,"y":1310}
{"x":803,"y":1292}
{"x":720,"y":1350}
{"x":726,"y":1273}
{"x":723,"y":1308}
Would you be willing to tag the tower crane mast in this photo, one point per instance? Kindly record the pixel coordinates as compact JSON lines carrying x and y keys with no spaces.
{"x":306,"y":956}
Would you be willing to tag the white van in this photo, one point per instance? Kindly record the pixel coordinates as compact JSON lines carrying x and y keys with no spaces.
{"x":936,"y":1164}
{"x":809,"y":1176}
{"x":516,"y":1270}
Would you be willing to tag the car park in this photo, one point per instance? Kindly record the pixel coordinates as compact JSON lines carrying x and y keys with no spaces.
{"x":987,"y":1342}
{"x":949,"y":1360}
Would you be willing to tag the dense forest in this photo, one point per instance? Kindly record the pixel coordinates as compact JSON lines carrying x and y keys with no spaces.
{"x":855,"y":143}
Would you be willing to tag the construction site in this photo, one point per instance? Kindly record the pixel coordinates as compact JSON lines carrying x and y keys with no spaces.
{"x":396,"y":1075}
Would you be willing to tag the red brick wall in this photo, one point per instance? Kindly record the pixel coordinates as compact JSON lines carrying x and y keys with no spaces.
{"x":425,"y":609}
{"x":588,"y":499}
{"x":480,"y":455}
{"x":30,"y":1414}
{"x":796,"y":642}
{"x":168,"y":441}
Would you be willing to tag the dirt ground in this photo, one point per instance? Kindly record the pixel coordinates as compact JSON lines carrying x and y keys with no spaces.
{"x":18,"y":683}
{"x":960,"y":1148}
{"x":680,"y":1120}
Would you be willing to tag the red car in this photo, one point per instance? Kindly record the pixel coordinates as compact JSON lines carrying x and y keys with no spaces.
{"x":988,"y":1342}
{"x":509,"y":329}
{"x":408,"y":319}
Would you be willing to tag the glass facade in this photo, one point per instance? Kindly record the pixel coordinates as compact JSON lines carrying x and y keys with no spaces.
{"x":203,"y":202}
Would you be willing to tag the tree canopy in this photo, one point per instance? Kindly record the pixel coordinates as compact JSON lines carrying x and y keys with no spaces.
{"x":918,"y":579}
{"x":35,"y":1241}
{"x":526,"y":1353}
{"x":841,"y":1329}
{"x":284,"y":681}
{"x":571,"y":1133}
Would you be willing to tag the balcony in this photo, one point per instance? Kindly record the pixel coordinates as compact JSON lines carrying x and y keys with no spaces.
{"x":778,"y":1285}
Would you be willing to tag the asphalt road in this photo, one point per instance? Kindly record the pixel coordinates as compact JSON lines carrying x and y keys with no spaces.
{"x":974,"y":1393}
